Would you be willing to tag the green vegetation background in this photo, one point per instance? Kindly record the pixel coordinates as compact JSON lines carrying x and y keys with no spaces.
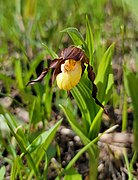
{"x":30,"y":31}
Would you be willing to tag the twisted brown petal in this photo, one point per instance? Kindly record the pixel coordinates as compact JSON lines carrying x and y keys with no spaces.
{"x":53,"y":64}
{"x":83,"y":67}
{"x":91,"y":76}
{"x":42,"y":75}
{"x":57,"y":69}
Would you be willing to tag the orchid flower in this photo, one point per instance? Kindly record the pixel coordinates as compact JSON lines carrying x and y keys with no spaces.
{"x":68,"y":70}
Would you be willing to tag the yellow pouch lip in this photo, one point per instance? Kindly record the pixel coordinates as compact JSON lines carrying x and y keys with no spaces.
{"x":70,"y":75}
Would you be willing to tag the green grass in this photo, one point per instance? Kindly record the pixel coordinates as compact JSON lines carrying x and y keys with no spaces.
{"x":30,"y":35}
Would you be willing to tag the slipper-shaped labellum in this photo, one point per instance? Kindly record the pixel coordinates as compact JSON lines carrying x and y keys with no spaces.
{"x":70,"y":75}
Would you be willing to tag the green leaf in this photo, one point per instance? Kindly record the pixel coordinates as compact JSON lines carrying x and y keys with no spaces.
{"x":40,"y":145}
{"x":38,"y":148}
{"x":74,"y":124}
{"x":109,"y":87}
{"x":7,"y":81}
{"x":132,"y":80}
{"x":83,"y":106}
{"x":30,"y":9}
{"x":44,"y":139}
{"x":16,"y":169}
{"x":2,"y":172}
{"x":50,"y":51}
{"x":95,"y":126}
{"x":33,"y":65}
{"x":76,"y":36}
{"x":18,"y":73}
{"x":104,"y":70}
{"x":72,"y":174}
{"x":89,"y":40}
{"x":11,"y":122}
{"x":86,"y":147}
{"x":124,"y":113}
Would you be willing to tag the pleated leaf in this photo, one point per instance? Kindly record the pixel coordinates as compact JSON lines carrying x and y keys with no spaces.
{"x":104,"y":70}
